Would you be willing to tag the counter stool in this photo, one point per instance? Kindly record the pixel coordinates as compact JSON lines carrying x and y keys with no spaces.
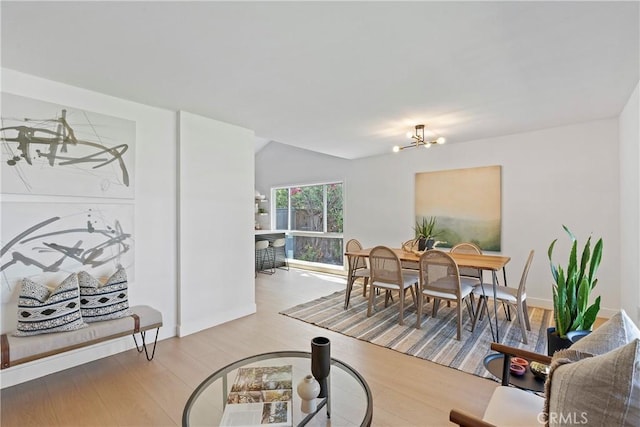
{"x":262,"y":253}
{"x":279,"y":253}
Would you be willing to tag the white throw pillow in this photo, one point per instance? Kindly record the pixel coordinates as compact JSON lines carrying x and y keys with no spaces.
{"x":42,"y":310}
{"x":104,"y":302}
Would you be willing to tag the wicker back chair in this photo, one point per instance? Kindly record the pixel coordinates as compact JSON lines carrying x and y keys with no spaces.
{"x":387,"y":274}
{"x":358,"y":268}
{"x":471,"y":276}
{"x":440,"y":279}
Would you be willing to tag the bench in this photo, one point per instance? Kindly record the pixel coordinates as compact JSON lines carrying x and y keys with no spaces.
{"x":18,"y":350}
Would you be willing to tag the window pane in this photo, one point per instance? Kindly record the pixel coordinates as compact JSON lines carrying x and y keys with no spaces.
{"x":334,"y":208}
{"x":318,"y":249}
{"x":282,"y":208}
{"x":307,"y":208}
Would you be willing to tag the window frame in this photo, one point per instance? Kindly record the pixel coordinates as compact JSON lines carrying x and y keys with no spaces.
{"x":306,"y":233}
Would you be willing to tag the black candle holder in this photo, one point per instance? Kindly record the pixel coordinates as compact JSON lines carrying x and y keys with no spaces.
{"x":321,"y":362}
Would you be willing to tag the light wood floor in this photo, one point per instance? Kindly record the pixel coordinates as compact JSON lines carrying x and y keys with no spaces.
{"x":126,"y":390}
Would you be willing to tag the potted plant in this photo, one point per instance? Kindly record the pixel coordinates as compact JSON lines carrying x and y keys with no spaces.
{"x":572,"y":291}
{"x":425,"y":232}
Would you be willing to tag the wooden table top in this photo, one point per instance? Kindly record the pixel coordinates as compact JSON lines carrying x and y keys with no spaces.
{"x":484,"y":262}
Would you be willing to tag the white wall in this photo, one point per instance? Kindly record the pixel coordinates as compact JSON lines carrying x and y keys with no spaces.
{"x":154,"y":282}
{"x":215,"y":160}
{"x":279,"y":165}
{"x":630,"y":206}
{"x":216,"y":254}
{"x":565,"y":175}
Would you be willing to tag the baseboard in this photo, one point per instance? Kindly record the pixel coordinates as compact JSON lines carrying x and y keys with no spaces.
{"x":548,"y":304}
{"x":39,"y":368}
{"x":49,"y":365}
{"x":215,"y":319}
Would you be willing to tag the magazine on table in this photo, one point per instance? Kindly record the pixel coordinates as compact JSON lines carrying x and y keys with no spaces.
{"x":260,"y":396}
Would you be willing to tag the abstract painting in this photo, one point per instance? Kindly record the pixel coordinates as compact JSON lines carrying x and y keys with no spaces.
{"x":466,"y":204}
{"x":51,"y":149}
{"x":51,"y":240}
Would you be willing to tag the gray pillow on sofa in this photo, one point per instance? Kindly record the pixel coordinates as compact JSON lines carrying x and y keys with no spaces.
{"x":615,"y":332}
{"x":601,"y":390}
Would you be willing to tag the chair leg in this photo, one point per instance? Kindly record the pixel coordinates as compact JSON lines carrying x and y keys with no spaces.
{"x":364,"y":287}
{"x":521,"y":324}
{"x":419,"y":314}
{"x":436,"y":305}
{"x":469,"y":307}
{"x":401,"y":317}
{"x":372,"y":295}
{"x":459,"y":310}
{"x":525,"y":311}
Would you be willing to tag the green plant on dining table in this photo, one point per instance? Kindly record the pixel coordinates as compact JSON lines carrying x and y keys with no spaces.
{"x":426,"y":227}
{"x":573,"y":286}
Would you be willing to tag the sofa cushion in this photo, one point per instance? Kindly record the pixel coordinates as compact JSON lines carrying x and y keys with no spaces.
{"x":104,"y":302}
{"x":615,"y":332}
{"x":510,"y":406}
{"x":594,"y":390}
{"x":42,"y":310}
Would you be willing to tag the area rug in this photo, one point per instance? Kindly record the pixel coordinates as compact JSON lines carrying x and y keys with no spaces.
{"x":435,"y":341}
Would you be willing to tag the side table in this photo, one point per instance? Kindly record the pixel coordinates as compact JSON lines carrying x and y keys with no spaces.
{"x":495,"y":364}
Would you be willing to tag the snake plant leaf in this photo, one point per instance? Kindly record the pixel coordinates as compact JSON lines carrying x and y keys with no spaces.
{"x":584,"y":259}
{"x":591,"y":314}
{"x":554,"y":270}
{"x":595,"y":262}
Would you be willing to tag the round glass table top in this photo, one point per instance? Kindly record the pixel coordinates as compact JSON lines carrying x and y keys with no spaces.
{"x":349,"y":402}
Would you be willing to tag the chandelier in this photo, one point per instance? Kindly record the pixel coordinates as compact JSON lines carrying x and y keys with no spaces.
{"x":418,"y":140}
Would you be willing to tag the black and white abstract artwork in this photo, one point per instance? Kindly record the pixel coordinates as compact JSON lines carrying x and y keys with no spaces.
{"x":47,"y":241}
{"x":50,"y":149}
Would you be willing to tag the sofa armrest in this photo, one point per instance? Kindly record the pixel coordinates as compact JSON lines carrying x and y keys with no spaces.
{"x":467,"y":420}
{"x":518,"y":352}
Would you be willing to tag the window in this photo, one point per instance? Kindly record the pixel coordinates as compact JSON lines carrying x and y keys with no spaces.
{"x":313,"y":216}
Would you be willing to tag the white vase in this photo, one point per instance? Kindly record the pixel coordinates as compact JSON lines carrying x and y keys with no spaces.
{"x":308,"y":390}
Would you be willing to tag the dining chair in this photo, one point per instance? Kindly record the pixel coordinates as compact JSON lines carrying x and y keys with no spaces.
{"x":440,"y":279}
{"x":387,"y":274}
{"x":410,"y":246}
{"x":472,"y":276}
{"x":358,"y":267}
{"x":516,"y":297}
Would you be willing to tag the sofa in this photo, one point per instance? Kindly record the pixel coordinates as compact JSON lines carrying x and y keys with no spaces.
{"x":596,"y":381}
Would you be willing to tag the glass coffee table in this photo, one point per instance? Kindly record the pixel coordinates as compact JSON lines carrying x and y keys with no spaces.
{"x":349,"y":402}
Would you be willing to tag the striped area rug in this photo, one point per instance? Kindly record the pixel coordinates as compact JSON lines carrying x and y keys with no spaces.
{"x":435,"y":341}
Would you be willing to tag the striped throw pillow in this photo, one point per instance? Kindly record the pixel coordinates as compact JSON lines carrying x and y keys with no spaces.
{"x":42,"y":310}
{"x":104,"y":302}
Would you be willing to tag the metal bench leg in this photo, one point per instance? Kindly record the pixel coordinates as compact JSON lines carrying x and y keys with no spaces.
{"x":144,"y":344}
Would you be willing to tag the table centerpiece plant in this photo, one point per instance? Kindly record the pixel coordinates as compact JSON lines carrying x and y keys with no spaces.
{"x":425,"y":230}
{"x":572,"y":289}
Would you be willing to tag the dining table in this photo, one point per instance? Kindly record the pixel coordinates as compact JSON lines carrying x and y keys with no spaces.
{"x":484,"y":262}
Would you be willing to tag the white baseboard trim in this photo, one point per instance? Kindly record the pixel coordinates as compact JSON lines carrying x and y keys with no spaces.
{"x":548,"y":304}
{"x":215,"y":319}
{"x":39,"y":368}
{"x":69,"y":359}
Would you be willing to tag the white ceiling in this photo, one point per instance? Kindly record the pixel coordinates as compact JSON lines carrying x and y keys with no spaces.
{"x":343,"y":78}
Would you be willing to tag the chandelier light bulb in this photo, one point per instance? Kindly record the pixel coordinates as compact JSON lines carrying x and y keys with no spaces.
{"x":419,"y":139}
